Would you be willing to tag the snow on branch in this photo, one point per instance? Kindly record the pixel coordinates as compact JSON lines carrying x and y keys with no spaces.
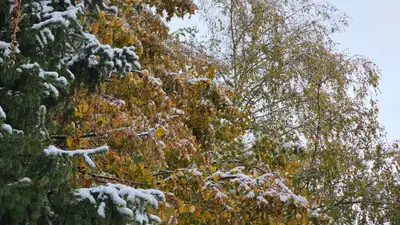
{"x":51,"y":79}
{"x":113,"y":59}
{"x":129,"y":201}
{"x":198,"y":80}
{"x":23,"y":181}
{"x":56,"y":17}
{"x":2,"y":114}
{"x":6,"y":128}
{"x":52,"y":150}
{"x":6,"y":47}
{"x":89,"y":51}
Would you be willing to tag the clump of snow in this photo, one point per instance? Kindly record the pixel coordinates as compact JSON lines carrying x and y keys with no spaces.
{"x":100,"y":210}
{"x":113,"y":9}
{"x":25,"y":180}
{"x":196,"y":80}
{"x":196,"y":172}
{"x":177,"y":111}
{"x":250,"y":195}
{"x":6,"y":47}
{"x":288,"y":145}
{"x":7,"y":128}
{"x":2,"y":113}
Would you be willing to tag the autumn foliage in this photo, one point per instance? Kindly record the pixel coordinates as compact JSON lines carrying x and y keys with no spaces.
{"x":174,"y":126}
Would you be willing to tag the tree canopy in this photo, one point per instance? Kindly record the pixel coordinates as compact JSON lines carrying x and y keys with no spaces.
{"x":106,"y":117}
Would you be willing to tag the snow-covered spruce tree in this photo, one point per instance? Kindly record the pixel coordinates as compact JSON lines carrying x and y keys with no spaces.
{"x":43,"y":50}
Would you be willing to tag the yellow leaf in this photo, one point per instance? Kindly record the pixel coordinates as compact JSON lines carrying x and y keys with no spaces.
{"x":95,"y":28}
{"x":215,"y":178}
{"x":181,"y":208}
{"x":201,"y":166}
{"x":70,"y":140}
{"x":160,"y":132}
{"x":141,"y":165}
{"x":77,"y":113}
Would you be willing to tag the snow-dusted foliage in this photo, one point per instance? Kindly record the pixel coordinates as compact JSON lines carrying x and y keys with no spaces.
{"x":129,"y":201}
{"x":82,"y":53}
{"x":276,"y":186}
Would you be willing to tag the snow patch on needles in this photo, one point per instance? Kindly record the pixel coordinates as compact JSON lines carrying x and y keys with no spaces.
{"x":7,"y":128}
{"x":6,"y":47}
{"x":57,"y":17}
{"x":129,"y":201}
{"x":100,"y":210}
{"x":25,"y":180}
{"x":2,"y":113}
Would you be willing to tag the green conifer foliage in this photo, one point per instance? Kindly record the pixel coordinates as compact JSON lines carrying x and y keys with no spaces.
{"x":43,"y":51}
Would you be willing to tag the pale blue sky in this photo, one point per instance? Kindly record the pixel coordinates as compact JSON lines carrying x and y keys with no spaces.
{"x":374,"y":32}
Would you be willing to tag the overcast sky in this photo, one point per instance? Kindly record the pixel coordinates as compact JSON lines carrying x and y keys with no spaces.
{"x":374,"y":32}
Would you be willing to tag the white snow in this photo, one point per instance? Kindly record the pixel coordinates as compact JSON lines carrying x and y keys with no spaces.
{"x":250,"y":195}
{"x":177,"y":111}
{"x":2,"y":113}
{"x":100,"y":210}
{"x":45,"y":36}
{"x":293,"y":145}
{"x":6,"y":47}
{"x":196,"y":172}
{"x":59,"y":17}
{"x":23,"y":180}
{"x":114,"y":9}
{"x":195,"y":80}
{"x":52,"y":150}
{"x":52,"y":89}
{"x":29,"y":66}
{"x":88,"y":160}
{"x":7,"y":128}
{"x":154,"y":218}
